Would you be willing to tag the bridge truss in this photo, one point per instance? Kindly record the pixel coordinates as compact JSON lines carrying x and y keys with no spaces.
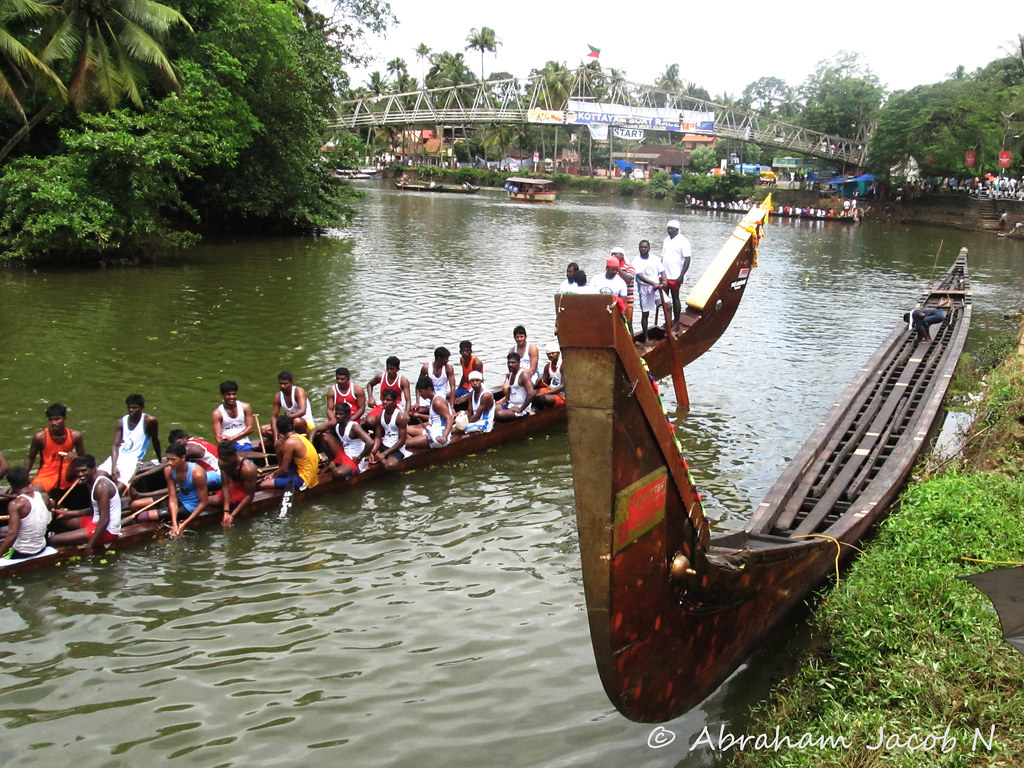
{"x":510,"y":101}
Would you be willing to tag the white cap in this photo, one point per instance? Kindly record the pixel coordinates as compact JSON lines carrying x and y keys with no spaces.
{"x":619,"y":249}
{"x":551,"y":347}
{"x":475,"y":376}
{"x":674,"y":224}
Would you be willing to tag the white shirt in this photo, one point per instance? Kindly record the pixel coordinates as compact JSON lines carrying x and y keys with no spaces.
{"x":675,"y":254}
{"x":649,"y":269}
{"x":614,"y":285}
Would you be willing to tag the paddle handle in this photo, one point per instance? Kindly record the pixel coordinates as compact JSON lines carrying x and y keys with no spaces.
{"x":137,"y":512}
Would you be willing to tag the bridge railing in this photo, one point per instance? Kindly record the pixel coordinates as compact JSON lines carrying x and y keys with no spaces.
{"x":510,"y":100}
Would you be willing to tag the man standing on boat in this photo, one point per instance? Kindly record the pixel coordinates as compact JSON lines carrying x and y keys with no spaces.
{"x":628,"y":275}
{"x":570,"y":278}
{"x":54,"y":446}
{"x":650,"y":276}
{"x":610,"y":282}
{"x":675,"y":255}
{"x":132,"y":436}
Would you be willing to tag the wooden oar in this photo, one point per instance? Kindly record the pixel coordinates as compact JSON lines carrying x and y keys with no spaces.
{"x":259,"y":433}
{"x":69,"y":490}
{"x":678,"y":378}
{"x":153,"y":503}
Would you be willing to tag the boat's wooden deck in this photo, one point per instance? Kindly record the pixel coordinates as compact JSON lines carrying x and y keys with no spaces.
{"x":877,"y":423}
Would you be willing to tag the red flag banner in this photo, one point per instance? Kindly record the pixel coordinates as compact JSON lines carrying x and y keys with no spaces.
{"x":969,"y":158}
{"x":594,"y":52}
{"x":1004,"y":159}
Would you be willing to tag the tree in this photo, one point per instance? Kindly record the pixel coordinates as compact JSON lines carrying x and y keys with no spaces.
{"x":396,"y":68}
{"x":702,"y":159}
{"x":448,"y":70}
{"x":483,"y":40}
{"x":422,"y":55}
{"x":769,"y":96}
{"x":104,"y":47}
{"x":842,"y":97}
{"x":20,"y":69}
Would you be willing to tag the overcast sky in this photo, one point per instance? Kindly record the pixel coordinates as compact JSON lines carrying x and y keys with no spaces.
{"x":720,"y":46}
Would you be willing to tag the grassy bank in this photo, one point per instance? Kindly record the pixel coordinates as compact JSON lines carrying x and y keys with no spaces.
{"x":907,"y":650}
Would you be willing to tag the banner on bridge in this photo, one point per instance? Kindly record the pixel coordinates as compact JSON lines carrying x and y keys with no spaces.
{"x":650,"y":118}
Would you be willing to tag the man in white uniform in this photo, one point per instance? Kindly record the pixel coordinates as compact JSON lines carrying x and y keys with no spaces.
{"x":675,"y":255}
{"x":650,"y":281}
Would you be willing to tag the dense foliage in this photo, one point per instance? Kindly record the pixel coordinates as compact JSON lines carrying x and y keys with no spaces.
{"x":228,"y":102}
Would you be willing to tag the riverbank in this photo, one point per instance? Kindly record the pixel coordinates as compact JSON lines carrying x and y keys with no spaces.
{"x":909,"y":667}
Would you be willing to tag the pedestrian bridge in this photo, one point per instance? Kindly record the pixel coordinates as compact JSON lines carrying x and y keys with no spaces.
{"x":512,"y":100}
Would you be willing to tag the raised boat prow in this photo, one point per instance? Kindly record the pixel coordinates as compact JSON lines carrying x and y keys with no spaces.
{"x":674,"y":611}
{"x":712,"y":302}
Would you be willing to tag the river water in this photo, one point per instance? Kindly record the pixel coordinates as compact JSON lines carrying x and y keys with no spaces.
{"x":437,"y":619}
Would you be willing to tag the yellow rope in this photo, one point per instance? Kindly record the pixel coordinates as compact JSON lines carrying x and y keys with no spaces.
{"x":990,"y":562}
{"x":839,"y":547}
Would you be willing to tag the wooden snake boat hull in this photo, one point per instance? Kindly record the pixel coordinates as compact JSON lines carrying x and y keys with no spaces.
{"x":504,"y":432}
{"x":674,"y":611}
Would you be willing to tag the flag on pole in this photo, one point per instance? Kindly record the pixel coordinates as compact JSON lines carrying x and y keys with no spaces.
{"x":595,"y":53}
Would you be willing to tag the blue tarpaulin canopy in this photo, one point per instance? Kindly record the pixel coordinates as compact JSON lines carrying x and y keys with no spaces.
{"x":865,"y":178}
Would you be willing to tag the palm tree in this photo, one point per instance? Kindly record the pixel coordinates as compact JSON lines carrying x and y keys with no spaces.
{"x":483,"y":40}
{"x":447,"y":70}
{"x":423,"y":54}
{"x":19,"y":67}
{"x":558,"y":82}
{"x":104,"y":45}
{"x":396,"y":68}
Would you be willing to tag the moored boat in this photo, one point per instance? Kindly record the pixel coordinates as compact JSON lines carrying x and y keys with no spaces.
{"x":673,"y":610}
{"x":530,"y":190}
{"x":459,"y":447}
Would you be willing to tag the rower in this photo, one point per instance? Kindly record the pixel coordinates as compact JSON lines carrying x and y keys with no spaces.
{"x":442,"y":379}
{"x":132,"y":436}
{"x":103,"y":523}
{"x":186,"y":488}
{"x":481,"y":406}
{"x":202,"y":452}
{"x":346,"y":441}
{"x":391,"y":433}
{"x":240,"y":477}
{"x":391,"y":379}
{"x":232,"y":419}
{"x":298,"y":463}
{"x":440,"y":418}
{"x":551,"y":383}
{"x":28,"y":514}
{"x":469,"y":363}
{"x":295,"y":404}
{"x":526,"y":350}
{"x":517,"y":392}
{"x":344,"y":390}
{"x":54,"y":446}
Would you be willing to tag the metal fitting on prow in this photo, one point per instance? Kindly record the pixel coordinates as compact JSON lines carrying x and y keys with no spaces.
{"x":681,"y":567}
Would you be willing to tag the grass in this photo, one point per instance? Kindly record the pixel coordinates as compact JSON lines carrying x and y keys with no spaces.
{"x":904,"y":645}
